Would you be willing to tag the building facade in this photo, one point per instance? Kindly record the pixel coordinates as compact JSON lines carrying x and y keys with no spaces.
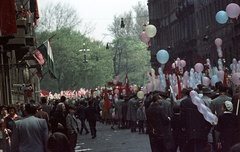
{"x":187,"y":29}
{"x":18,"y":79}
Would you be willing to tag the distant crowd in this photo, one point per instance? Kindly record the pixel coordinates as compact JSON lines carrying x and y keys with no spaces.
{"x":172,"y":125}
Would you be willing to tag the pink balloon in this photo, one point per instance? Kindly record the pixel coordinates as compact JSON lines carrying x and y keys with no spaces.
{"x":117,"y":78}
{"x":115,"y":82}
{"x":218,"y":42}
{"x":149,"y":87}
{"x":173,"y":66}
{"x":206,"y":81}
{"x":236,"y":78}
{"x":144,"y":38}
{"x":198,"y":67}
{"x":220,"y":75}
{"x":144,"y":89}
{"x":182,"y":63}
{"x":233,"y":10}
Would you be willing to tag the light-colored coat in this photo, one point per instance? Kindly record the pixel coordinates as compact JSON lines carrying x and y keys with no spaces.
{"x":30,"y":134}
{"x":71,"y":124}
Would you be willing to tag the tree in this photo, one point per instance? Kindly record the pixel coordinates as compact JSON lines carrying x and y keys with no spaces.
{"x":58,"y":16}
{"x":131,"y":55}
{"x":72,"y":73}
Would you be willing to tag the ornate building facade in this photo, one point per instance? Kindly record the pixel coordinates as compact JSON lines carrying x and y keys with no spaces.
{"x":187,"y":29}
{"x":18,"y":79}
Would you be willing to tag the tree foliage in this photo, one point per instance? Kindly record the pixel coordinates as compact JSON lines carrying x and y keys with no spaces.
{"x":127,"y":54}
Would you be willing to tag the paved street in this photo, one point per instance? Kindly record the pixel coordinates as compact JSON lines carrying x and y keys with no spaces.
{"x":118,"y":140}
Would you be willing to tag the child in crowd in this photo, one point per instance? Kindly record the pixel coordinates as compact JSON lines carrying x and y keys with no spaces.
{"x":141,"y":116}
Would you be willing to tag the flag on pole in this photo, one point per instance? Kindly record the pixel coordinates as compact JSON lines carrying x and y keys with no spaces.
{"x":46,"y":52}
{"x":38,"y":56}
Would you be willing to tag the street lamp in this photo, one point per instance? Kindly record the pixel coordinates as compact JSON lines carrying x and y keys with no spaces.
{"x":84,"y":49}
{"x":84,"y":55}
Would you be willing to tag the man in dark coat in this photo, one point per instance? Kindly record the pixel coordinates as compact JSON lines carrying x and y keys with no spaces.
{"x":160,"y":134}
{"x":236,"y":107}
{"x":81,"y":113}
{"x":197,"y":128}
{"x":91,"y":118}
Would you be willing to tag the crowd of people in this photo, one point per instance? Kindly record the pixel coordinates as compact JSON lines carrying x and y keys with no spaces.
{"x":172,"y":125}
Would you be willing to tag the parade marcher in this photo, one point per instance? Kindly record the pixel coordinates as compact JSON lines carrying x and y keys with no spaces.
{"x":236,"y":103}
{"x":112,"y":116}
{"x":216,"y":105}
{"x":227,"y":127}
{"x":197,"y":128}
{"x":160,"y":134}
{"x":141,"y":117}
{"x":30,"y":133}
{"x":42,"y":114}
{"x":8,"y":125}
{"x":124,"y":113}
{"x":72,"y":127}
{"x":166,"y":104}
{"x":45,"y":107}
{"x":207,"y":93}
{"x":118,"y":111}
{"x":235,"y":148}
{"x":178,"y":131}
{"x":132,"y":112}
{"x":81,"y":113}
{"x":58,"y":120}
{"x":91,"y":118}
{"x":58,"y":142}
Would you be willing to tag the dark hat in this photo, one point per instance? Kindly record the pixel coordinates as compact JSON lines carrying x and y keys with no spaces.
{"x":39,"y":106}
{"x":185,"y":91}
{"x":206,"y":90}
{"x":163,"y":94}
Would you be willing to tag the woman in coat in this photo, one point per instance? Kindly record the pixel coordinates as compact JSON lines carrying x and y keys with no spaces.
{"x":228,"y":127}
{"x":160,"y":134}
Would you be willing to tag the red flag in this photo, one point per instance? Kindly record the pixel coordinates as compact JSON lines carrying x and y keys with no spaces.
{"x":38,"y":56}
{"x":126,"y":81}
{"x":8,"y":25}
{"x":34,"y":9}
{"x":126,"y":84}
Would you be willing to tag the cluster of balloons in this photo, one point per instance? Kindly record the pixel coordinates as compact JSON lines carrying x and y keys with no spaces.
{"x":149,"y":32}
{"x":232,"y":11}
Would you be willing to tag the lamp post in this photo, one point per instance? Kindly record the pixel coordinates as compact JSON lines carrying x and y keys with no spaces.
{"x":84,"y":49}
{"x":116,"y":58}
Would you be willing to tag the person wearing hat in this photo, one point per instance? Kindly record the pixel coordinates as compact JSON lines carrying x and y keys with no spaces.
{"x":227,"y":127}
{"x":166,"y":103}
{"x":236,"y":106}
{"x":196,"y":127}
{"x":42,"y":114}
{"x":216,"y":105}
{"x":207,"y":91}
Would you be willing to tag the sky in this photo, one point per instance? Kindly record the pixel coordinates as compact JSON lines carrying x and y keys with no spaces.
{"x":99,"y":13}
